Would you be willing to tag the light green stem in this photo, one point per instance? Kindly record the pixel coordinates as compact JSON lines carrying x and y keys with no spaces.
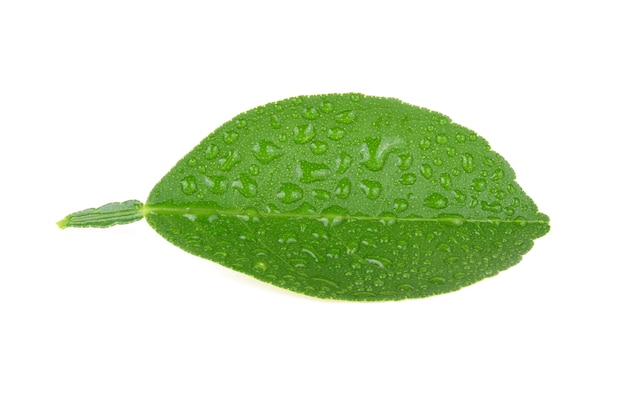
{"x":106,"y":216}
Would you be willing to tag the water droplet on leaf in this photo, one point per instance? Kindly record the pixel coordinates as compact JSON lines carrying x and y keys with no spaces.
{"x":467,"y":161}
{"x":344,"y":162}
{"x":436,"y":201}
{"x":188,"y":185}
{"x":265,"y":151}
{"x":408,"y":179}
{"x":309,"y":172}
{"x":231,"y":136}
{"x":446,"y":181}
{"x":319,"y":147}
{"x":290,"y":193}
{"x":479,"y":185}
{"x":426,"y":170}
{"x":245,"y":185}
{"x":344,"y":186}
{"x":212,"y":151}
{"x":371,"y":188}
{"x":231,"y":159}
{"x":303,"y":134}
{"x":346,"y":117}
{"x":336,"y":133}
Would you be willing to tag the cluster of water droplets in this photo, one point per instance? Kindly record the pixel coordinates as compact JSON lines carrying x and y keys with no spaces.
{"x":328,"y":187}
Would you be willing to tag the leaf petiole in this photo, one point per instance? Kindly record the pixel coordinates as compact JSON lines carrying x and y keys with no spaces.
{"x":105,"y":216}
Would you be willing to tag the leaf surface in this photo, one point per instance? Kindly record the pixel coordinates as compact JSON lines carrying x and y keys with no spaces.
{"x":350,"y":197}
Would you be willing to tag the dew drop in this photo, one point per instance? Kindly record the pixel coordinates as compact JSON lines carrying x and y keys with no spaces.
{"x":309,"y":172}
{"x":216,"y":184}
{"x":479,"y":185}
{"x":346,"y":117}
{"x":327,"y":106}
{"x":387,"y":219}
{"x":511,"y":189}
{"x":371,"y":188}
{"x":400,"y":205}
{"x":356,"y":97}
{"x":453,"y":218}
{"x":442,"y":246}
{"x":190,"y":217}
{"x":231,"y":136}
{"x":446,"y":181}
{"x":310,"y":113}
{"x":318,"y":147}
{"x":245,"y":185}
{"x":426,"y":170}
{"x":375,"y":150}
{"x":290,"y":193}
{"x":344,"y":162}
{"x":192,"y":161}
{"x":494,"y":207}
{"x":333,"y":215}
{"x":459,"y":196}
{"x":232,"y":159}
{"x":322,"y":195}
{"x":497,"y":174}
{"x":521,"y":221}
{"x":254,"y":170}
{"x":336,"y":133}
{"x":460,"y":137}
{"x":404,"y":161}
{"x":442,"y":138}
{"x":438,"y":161}
{"x":467,"y":161}
{"x":241,"y":123}
{"x":408,"y":178}
{"x":188,"y":185}
{"x":303,"y":134}
{"x":259,"y":267}
{"x":212,"y":151}
{"x":381,"y":263}
{"x":265,"y":151}
{"x":437,"y":280}
{"x":343,"y":189}
{"x":436,"y":201}
{"x":325,"y":282}
{"x":451,"y":151}
{"x":425,"y":143}
{"x":311,"y":254}
{"x":275,"y":122}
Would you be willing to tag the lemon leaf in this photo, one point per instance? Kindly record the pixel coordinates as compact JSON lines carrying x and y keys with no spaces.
{"x":342,"y":196}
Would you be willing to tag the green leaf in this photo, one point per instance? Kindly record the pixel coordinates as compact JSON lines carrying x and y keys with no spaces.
{"x":342,"y":196}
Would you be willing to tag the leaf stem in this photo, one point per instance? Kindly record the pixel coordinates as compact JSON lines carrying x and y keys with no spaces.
{"x":106,"y":216}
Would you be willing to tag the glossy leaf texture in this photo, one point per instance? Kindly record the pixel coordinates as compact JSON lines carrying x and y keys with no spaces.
{"x":350,"y":197}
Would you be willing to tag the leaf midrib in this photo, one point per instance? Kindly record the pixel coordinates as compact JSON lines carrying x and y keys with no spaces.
{"x":166,"y":210}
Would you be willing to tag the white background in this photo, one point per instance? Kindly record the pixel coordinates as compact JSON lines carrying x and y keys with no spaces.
{"x":99,"y":99}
